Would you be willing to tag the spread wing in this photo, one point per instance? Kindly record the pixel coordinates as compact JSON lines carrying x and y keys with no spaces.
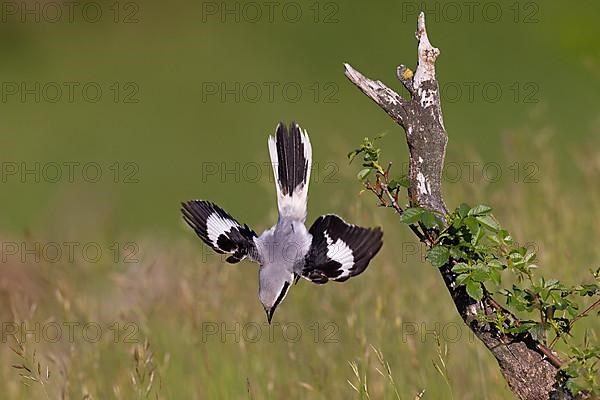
{"x":339,"y":250}
{"x":219,"y":230}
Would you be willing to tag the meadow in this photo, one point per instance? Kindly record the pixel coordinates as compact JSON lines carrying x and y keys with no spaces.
{"x":106,"y":294}
{"x":86,"y":318}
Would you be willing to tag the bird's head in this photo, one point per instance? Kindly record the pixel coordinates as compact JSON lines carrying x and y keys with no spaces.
{"x":272,"y":291}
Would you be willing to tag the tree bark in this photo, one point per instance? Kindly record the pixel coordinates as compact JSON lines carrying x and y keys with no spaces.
{"x":530,"y":369}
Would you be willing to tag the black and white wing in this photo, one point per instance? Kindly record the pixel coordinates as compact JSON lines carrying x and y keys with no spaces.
{"x":339,"y":250}
{"x":220,"y":230}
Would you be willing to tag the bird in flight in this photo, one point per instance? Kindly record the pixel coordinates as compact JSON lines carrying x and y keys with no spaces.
{"x":330,"y":250}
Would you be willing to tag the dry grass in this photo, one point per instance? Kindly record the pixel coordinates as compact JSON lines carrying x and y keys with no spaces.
{"x":374,"y":337}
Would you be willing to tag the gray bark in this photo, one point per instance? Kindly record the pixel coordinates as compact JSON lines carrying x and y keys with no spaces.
{"x":530,"y":369}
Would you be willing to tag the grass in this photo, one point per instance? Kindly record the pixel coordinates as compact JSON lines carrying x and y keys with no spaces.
{"x":158,"y":315}
{"x":392,"y":333}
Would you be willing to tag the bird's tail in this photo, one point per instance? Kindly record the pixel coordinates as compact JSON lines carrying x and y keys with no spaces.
{"x":291,"y":157}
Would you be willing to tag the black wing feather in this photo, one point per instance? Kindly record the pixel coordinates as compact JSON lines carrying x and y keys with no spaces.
{"x":339,"y":250}
{"x":229,"y":236}
{"x":292,"y":165}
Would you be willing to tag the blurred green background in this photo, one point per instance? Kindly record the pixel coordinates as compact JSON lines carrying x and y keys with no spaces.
{"x":173,"y":59}
{"x":172,"y":101}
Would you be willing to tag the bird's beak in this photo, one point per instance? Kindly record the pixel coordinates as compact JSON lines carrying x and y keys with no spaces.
{"x":269,"y":312}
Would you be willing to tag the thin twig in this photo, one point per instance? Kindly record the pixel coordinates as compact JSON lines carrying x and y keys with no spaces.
{"x":383,"y":189}
{"x":586,"y":311}
{"x":575,"y":319}
{"x":545,"y":350}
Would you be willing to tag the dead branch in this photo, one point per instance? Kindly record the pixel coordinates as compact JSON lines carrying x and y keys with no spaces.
{"x":530,"y":368}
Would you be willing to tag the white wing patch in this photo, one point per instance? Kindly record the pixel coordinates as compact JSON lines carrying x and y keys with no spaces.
{"x":340,"y":252}
{"x":217,"y":226}
{"x":274,"y":163}
{"x":308,"y":156}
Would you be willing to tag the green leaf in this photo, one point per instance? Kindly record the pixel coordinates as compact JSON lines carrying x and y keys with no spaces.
{"x":573,"y":386}
{"x":495,"y":264}
{"x":352,"y":155}
{"x":523,"y":327}
{"x":463,"y":210}
{"x":480,"y":210}
{"x":573,"y":311}
{"x":502,"y":237}
{"x":438,"y":256}
{"x":363,"y":173}
{"x":495,"y":276}
{"x":472,"y":224}
{"x":461,"y":279}
{"x":460,"y":268}
{"x":457,"y":253}
{"x":371,"y":156}
{"x":530,"y":257}
{"x":591,"y":289}
{"x":489,"y":222}
{"x":411,"y":215}
{"x":399,"y":182}
{"x":537,"y":332}
{"x":430,"y":220}
{"x":481,"y":273}
{"x":477,"y":236}
{"x":474,"y":290}
{"x":404,"y":181}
